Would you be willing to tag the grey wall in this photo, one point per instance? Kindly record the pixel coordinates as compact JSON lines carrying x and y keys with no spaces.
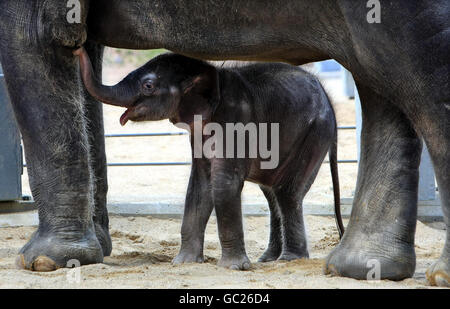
{"x":10,"y":149}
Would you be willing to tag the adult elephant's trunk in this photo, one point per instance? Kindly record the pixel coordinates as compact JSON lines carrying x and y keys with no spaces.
{"x":118,"y":95}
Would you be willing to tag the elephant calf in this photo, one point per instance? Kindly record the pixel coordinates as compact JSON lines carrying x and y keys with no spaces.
{"x":221,"y":107}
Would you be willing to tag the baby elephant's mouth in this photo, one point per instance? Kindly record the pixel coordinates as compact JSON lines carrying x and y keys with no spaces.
{"x":126,"y":116}
{"x":143,"y":112}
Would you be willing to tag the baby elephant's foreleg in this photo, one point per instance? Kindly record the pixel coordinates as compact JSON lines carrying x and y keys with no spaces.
{"x":198,"y":208}
{"x":227,"y":183}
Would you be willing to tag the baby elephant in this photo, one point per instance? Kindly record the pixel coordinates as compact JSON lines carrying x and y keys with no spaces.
{"x":277,"y":106}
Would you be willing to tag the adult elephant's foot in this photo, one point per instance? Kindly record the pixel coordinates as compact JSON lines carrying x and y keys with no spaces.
{"x":237,"y":262}
{"x":439,"y":273}
{"x":50,"y":253}
{"x":375,"y":257}
{"x":104,"y":238}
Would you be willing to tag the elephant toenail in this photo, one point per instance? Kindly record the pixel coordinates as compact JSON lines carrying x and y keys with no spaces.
{"x":438,"y":278}
{"x":331,"y":270}
{"x":43,"y":263}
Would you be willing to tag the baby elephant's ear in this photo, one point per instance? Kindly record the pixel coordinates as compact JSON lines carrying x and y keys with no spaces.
{"x":193,"y":82}
{"x":206,"y":85}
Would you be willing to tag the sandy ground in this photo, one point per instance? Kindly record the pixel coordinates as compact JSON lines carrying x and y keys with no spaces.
{"x":144,"y":246}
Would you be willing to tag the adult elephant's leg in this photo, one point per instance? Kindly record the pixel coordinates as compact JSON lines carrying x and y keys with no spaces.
{"x":379,"y":239}
{"x":435,"y":128}
{"x":198,"y":208}
{"x":44,"y":86}
{"x":49,"y":110}
{"x":96,"y":135}
{"x":439,"y":272}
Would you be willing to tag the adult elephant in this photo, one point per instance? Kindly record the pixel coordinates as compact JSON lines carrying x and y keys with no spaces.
{"x":401,"y":67}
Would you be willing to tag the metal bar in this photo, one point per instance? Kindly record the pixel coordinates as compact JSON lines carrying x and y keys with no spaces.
{"x":189,"y":163}
{"x":182,"y":163}
{"x":343,"y":161}
{"x":147,"y":164}
{"x":185,"y":133}
{"x":147,"y":134}
{"x":142,"y":164}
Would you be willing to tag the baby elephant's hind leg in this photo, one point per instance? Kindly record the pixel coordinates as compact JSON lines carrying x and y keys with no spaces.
{"x":273,"y":250}
{"x":294,"y":243}
{"x":301,"y":175}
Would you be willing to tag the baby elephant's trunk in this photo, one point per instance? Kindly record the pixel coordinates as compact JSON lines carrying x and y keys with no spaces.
{"x":118,"y":95}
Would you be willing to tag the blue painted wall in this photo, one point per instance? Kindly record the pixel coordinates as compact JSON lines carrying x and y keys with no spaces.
{"x":10,"y":149}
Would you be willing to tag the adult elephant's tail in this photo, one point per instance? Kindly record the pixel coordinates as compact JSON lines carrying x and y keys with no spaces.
{"x":336,"y":190}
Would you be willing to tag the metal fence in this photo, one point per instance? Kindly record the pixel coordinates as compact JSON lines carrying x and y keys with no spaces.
{"x":174,"y":163}
{"x":134,"y":164}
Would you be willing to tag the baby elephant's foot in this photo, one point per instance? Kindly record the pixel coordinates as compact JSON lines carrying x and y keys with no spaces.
{"x":240,"y":262}
{"x":187,"y":256}
{"x":271,"y":254}
{"x":290,"y":256}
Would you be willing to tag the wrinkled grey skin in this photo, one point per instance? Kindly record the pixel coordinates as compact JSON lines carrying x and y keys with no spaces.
{"x":401,"y":67}
{"x":176,"y":87}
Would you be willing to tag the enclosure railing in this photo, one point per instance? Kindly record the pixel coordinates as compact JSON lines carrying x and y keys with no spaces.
{"x":135,"y":164}
{"x":131,"y":164}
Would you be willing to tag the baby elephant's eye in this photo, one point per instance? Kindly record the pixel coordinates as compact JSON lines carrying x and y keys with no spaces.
{"x":148,"y":85}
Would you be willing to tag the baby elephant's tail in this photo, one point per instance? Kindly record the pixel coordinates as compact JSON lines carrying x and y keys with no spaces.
{"x":335,"y":179}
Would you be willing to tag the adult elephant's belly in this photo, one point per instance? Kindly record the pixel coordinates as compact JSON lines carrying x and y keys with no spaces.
{"x":240,"y":30}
